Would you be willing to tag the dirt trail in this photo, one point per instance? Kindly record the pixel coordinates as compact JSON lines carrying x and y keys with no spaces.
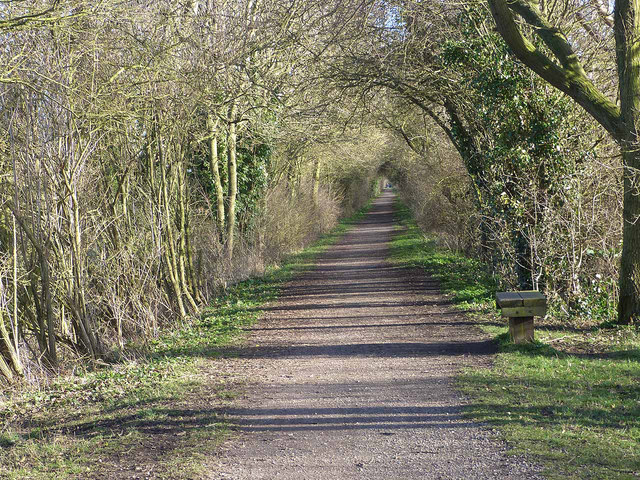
{"x":350,"y":376}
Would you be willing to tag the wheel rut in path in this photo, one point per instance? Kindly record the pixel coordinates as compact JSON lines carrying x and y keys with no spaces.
{"x":350,"y":375}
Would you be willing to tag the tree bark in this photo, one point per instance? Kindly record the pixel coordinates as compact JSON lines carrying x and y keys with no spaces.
{"x":169,"y":250}
{"x":568,"y":77}
{"x":232,"y":169}
{"x":627,"y":35}
{"x":629,"y":281}
{"x":292,"y":177}
{"x":183,"y":226}
{"x":46,"y":325}
{"x":77,"y":281}
{"x":214,"y":165}
{"x":316,"y":181}
{"x":14,"y":324}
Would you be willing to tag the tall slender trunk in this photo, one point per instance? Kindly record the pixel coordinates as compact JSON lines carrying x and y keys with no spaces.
{"x":316,"y":181}
{"x":42,"y":247}
{"x":169,"y":250}
{"x":232,"y":170}
{"x":212,"y":125}
{"x":77,"y":294}
{"x":183,"y":259}
{"x":44,"y":309}
{"x":14,"y":324}
{"x":39,"y":320}
{"x":193,"y":272}
{"x":45,"y":279}
{"x":293,"y":176}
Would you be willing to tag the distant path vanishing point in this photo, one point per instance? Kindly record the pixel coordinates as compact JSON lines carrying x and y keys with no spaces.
{"x":350,"y":375}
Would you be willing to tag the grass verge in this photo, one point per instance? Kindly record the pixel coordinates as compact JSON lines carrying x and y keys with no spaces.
{"x":570,"y":401}
{"x":156,"y":417}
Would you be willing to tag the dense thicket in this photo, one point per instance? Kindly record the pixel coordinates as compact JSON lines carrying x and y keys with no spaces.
{"x":153,"y":152}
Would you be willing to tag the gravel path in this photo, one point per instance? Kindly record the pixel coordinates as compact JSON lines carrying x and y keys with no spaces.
{"x":350,"y":375}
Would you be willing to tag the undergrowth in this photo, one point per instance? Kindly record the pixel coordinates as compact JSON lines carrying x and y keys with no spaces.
{"x":569,"y":401}
{"x":156,"y":416}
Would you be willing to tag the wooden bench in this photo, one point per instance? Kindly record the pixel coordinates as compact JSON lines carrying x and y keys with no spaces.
{"x":520,"y":308}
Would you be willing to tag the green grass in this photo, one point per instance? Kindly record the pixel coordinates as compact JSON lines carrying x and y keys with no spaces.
{"x":570,"y":401}
{"x":162,"y":410}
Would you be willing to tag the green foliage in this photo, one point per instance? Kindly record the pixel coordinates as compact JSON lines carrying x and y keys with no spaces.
{"x":254,"y":162}
{"x":520,"y":145}
{"x":524,"y":122}
{"x":253,"y":165}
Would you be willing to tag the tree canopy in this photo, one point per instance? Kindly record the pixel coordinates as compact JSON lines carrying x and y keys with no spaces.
{"x":151,"y":153}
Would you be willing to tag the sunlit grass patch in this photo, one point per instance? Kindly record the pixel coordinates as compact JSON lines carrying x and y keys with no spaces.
{"x":578,"y":415}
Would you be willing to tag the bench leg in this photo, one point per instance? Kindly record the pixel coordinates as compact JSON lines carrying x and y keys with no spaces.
{"x":521,"y":329}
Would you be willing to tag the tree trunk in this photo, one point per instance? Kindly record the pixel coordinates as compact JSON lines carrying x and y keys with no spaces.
{"x":232,"y":169}
{"x":183,"y":258}
{"x":291,"y":179}
{"x":629,"y":281}
{"x":14,"y":324}
{"x":316,"y":181}
{"x":77,"y":280}
{"x":52,"y":354}
{"x":627,"y":34}
{"x":215,"y":172}
{"x":46,"y":325}
{"x":169,"y":250}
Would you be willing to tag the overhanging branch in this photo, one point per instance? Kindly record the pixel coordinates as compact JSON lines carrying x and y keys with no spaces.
{"x":568,"y":77}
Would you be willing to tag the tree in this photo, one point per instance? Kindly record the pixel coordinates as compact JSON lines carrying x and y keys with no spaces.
{"x":557,"y":61}
{"x":136,"y":143}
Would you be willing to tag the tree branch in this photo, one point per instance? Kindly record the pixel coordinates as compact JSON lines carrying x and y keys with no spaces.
{"x":570,"y":77}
